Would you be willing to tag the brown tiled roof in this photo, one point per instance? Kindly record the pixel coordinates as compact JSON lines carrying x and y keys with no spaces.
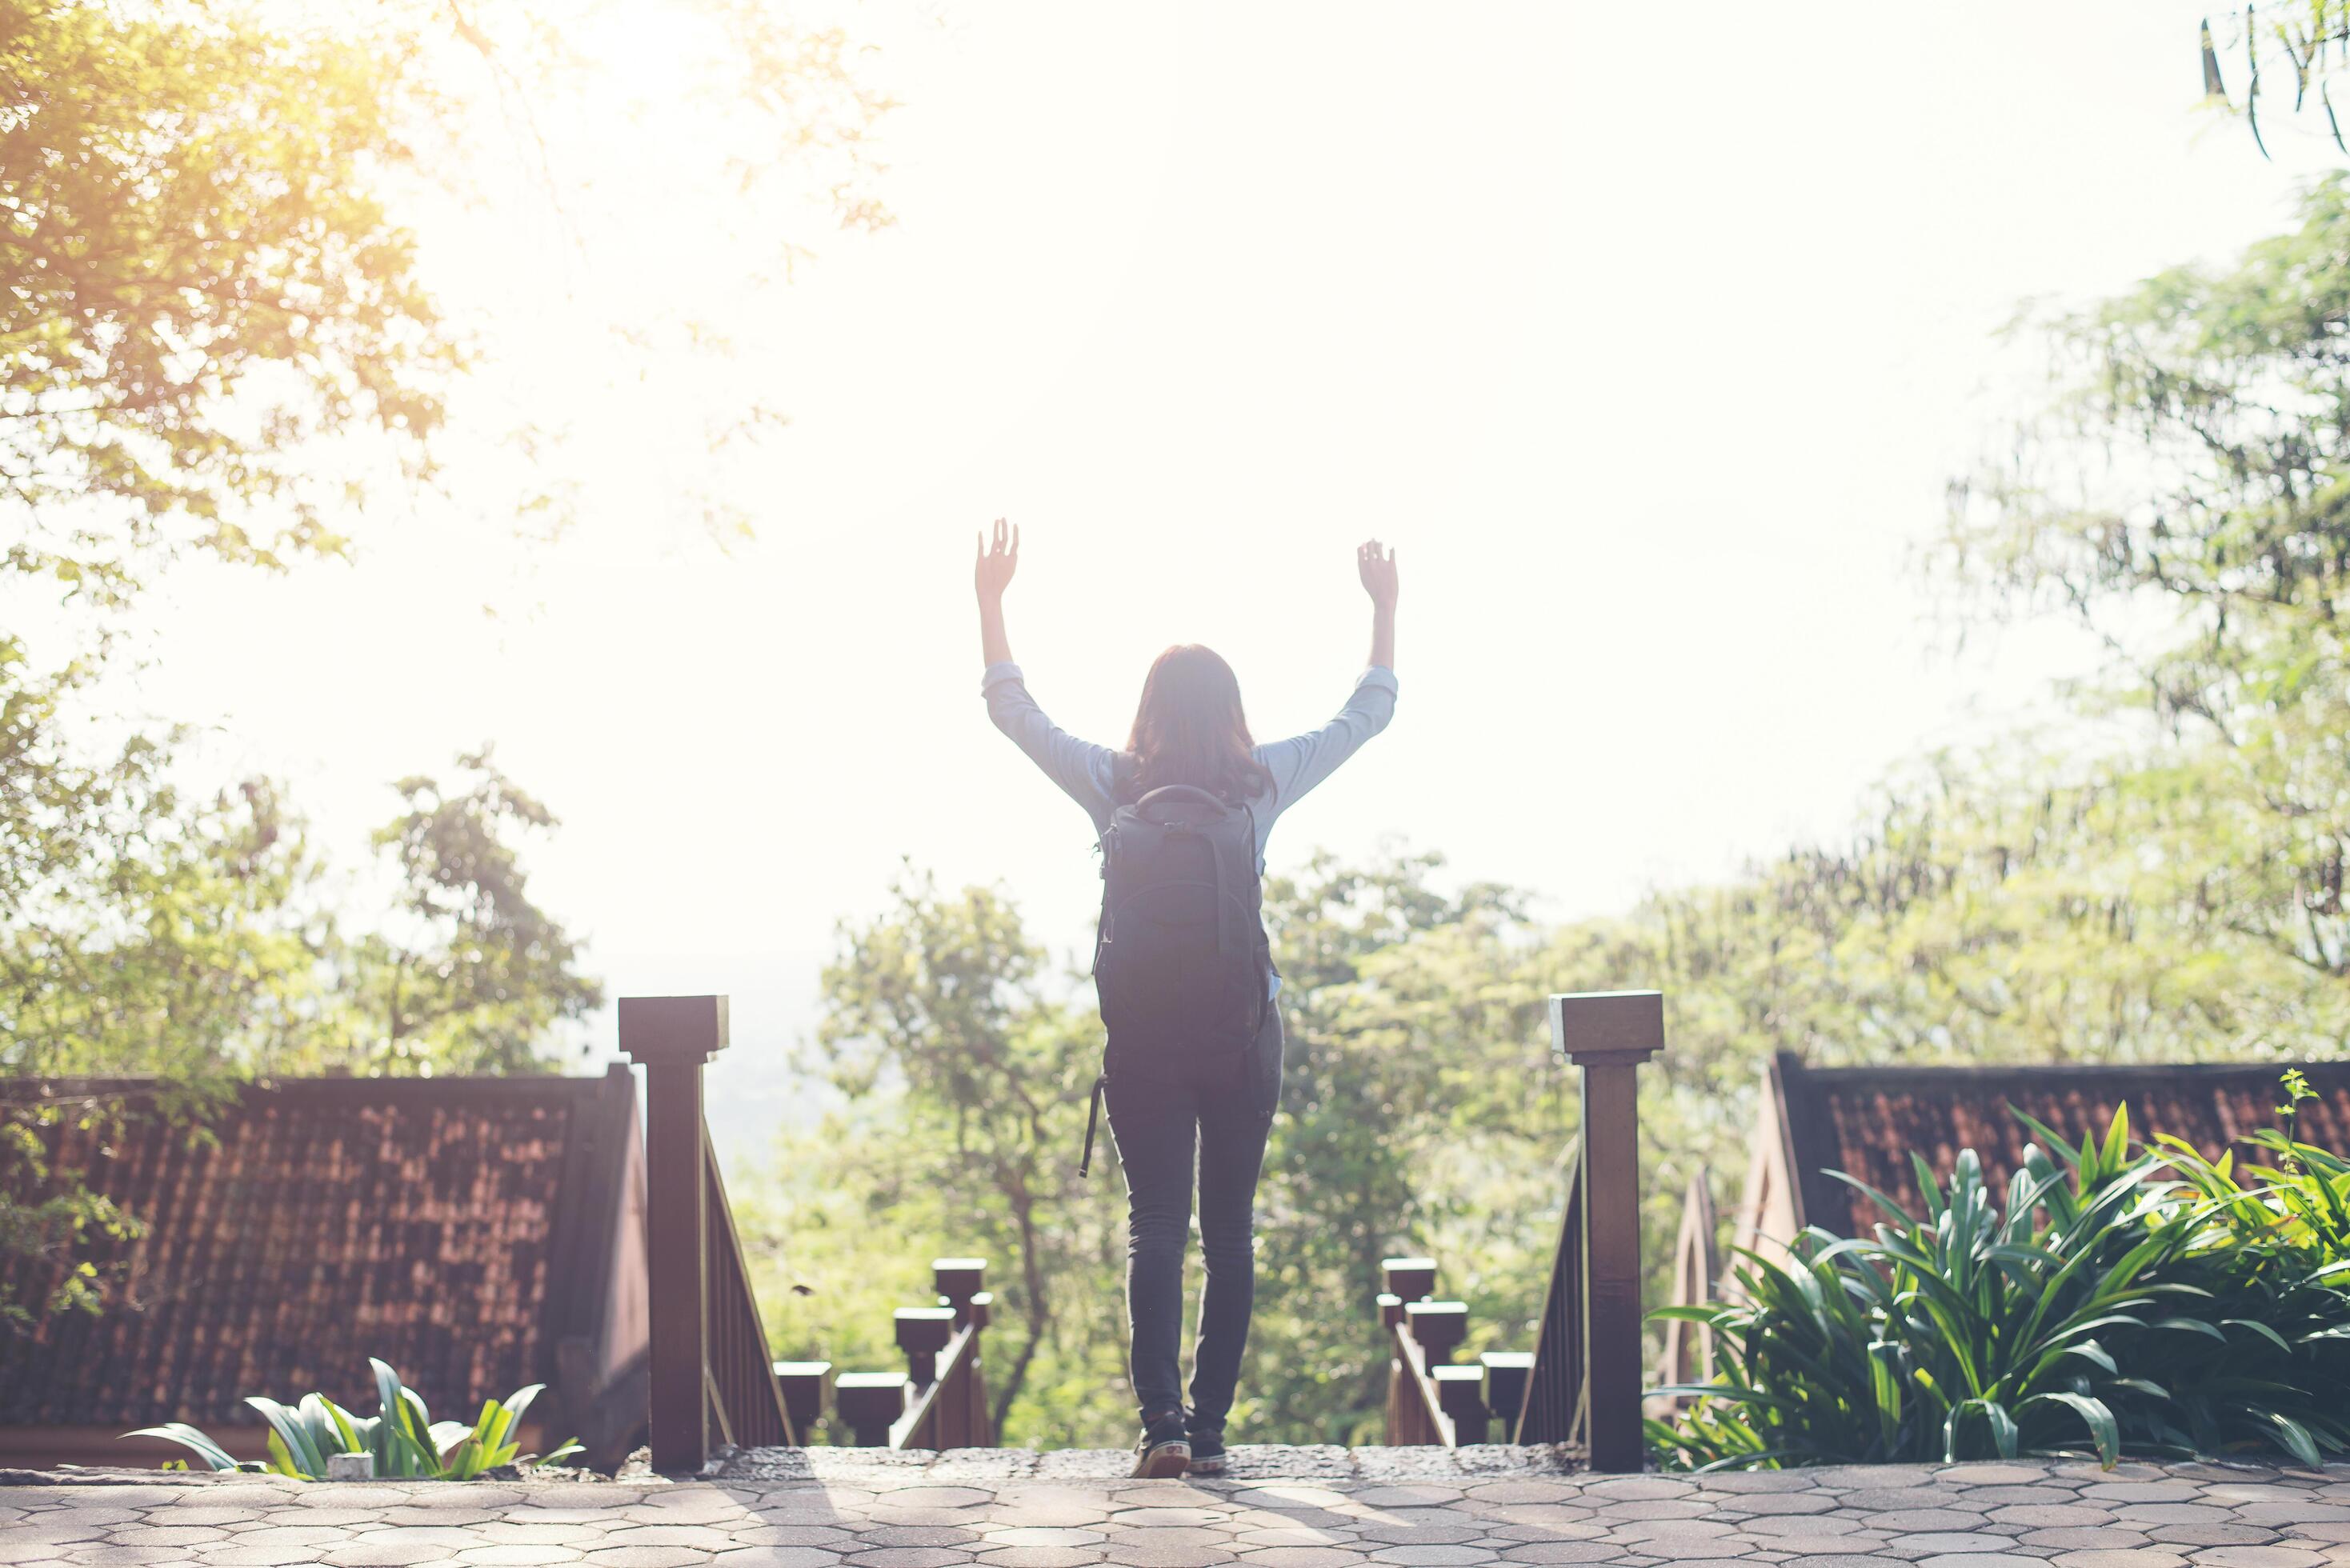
{"x":1864,"y":1121}
{"x":459,"y":1229}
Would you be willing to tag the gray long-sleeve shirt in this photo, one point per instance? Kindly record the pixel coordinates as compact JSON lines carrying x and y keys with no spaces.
{"x":1084,"y":770}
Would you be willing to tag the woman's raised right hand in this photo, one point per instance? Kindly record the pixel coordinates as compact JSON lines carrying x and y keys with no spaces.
{"x":996,"y":562}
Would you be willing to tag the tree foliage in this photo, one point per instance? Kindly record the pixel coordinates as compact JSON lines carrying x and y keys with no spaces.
{"x":198,"y":281}
{"x":470,"y":976}
{"x":2286,"y":59}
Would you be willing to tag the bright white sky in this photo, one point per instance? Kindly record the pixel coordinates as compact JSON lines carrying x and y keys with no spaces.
{"x":1650,"y":340}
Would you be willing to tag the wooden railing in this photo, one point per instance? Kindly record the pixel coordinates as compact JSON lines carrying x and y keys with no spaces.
{"x":1696,"y":1267}
{"x":941,"y":1399}
{"x":1582,"y":1383}
{"x":1430,"y":1399}
{"x":712,"y":1381}
{"x":1585,"y":1384}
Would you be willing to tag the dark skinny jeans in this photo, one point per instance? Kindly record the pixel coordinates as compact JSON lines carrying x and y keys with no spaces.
{"x":1162,"y":1124}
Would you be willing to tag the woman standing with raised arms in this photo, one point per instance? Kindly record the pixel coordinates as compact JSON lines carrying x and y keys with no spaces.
{"x":1191,"y":1070}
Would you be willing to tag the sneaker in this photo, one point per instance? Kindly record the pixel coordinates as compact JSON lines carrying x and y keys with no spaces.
{"x":1165,"y":1449}
{"x":1207,"y":1452}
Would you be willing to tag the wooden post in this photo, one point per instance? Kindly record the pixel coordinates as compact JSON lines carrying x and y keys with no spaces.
{"x":868,"y":1402}
{"x":1460,"y":1391}
{"x":922,"y":1332}
{"x":1506,"y":1385}
{"x":671,"y":1037}
{"x":806,"y":1385}
{"x":1439,"y":1326}
{"x":958,"y":1280}
{"x":1607,"y":1036}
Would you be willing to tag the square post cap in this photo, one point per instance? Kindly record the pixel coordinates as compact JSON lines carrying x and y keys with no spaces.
{"x":1599,"y":1028}
{"x":673,"y":1028}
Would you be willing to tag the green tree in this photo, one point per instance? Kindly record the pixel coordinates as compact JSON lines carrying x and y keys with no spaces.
{"x":2186,"y":500}
{"x":198,"y":278}
{"x":141,"y":933}
{"x":474,"y":974}
{"x":204,"y":290}
{"x":964,"y":1066}
{"x":2286,"y":59}
{"x":1420,"y":1109}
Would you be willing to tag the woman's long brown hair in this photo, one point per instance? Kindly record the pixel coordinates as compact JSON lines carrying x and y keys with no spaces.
{"x":1189,"y":729}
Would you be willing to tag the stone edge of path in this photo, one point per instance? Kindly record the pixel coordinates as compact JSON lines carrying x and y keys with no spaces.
{"x":1326,"y":1464}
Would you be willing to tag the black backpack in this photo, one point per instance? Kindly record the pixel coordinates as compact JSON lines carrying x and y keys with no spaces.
{"x":1182,"y":961}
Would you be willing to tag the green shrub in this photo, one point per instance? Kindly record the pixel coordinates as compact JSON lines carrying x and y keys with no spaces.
{"x":2135,"y":1299}
{"x":2265,"y":1363}
{"x":404,"y":1439}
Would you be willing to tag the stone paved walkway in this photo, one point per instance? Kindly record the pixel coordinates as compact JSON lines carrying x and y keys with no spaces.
{"x":1297,"y":1508}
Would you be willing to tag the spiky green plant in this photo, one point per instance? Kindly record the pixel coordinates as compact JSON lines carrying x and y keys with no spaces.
{"x":404,"y":1439}
{"x":2143,"y":1298}
{"x":1971,"y":1333}
{"x":2266,"y":1363}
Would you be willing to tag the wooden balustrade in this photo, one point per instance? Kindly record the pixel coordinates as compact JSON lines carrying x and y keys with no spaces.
{"x":1585,"y":1384}
{"x":1430,"y":1400}
{"x":1696,"y":1267}
{"x":941,"y":1399}
{"x":712,"y":1383}
{"x":1581,"y":1384}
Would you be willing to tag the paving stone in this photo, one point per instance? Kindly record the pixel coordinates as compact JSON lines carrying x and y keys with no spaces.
{"x":1038,"y":1557}
{"x":702,"y":1537}
{"x":2119,"y":1557}
{"x":837,"y":1537}
{"x":2147,"y":1491}
{"x":1292,"y":1536}
{"x":1783,"y":1503}
{"x":2291,"y":1513}
{"x":2144,"y":1513}
{"x":2041,"y":1514}
{"x":1878,"y":1498}
{"x":1174,"y":1515}
{"x":190,"y":1535}
{"x":1674,"y":1533}
{"x":1396,"y":1532}
{"x":1414,"y":1496}
{"x":1043,"y":1535}
{"x":1902,"y":1519}
{"x":1117,"y":1541}
{"x":1859,"y":1543}
{"x":1303,"y":1557}
{"x":770,"y":1557}
{"x":2082,"y":1537}
{"x":2259,"y":1557}
{"x":914,"y":1535}
{"x":1762,"y":1481}
{"x":655,"y":1557}
{"x":1566,"y":1552}
{"x":1804,"y":1524}
{"x":1938,"y":1542}
{"x":1535,"y":1491}
{"x":383,"y":1554}
{"x":2213,"y":1534}
{"x":2325,"y":1530}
